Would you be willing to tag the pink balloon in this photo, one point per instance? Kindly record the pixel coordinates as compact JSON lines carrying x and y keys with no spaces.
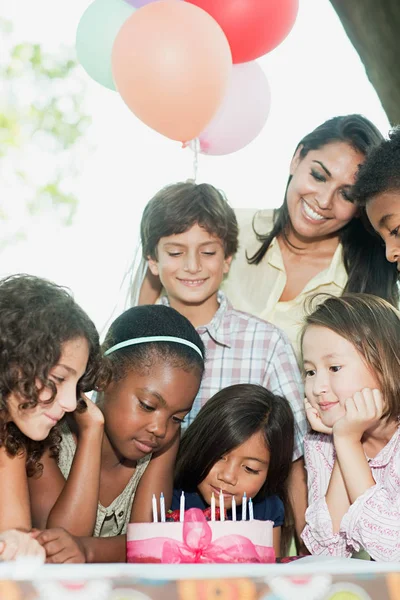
{"x":140,"y":3}
{"x":242,"y":114}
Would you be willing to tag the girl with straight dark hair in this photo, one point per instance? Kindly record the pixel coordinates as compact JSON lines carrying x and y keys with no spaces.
{"x":240,"y":442}
{"x":318,"y":240}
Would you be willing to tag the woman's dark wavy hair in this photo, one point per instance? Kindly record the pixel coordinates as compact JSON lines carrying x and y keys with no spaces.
{"x":36,"y":318}
{"x":153,"y":320}
{"x":363,"y":252}
{"x":225,"y":422}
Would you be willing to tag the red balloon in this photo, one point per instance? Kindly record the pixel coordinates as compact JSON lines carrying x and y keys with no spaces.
{"x":253,"y":27}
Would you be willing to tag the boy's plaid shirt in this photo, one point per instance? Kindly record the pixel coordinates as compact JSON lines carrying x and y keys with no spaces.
{"x":241,"y":348}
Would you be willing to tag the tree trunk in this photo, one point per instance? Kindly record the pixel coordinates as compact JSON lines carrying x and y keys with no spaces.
{"x":373,"y":27}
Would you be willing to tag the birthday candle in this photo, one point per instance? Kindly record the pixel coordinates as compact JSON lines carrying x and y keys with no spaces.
{"x":244,"y":506}
{"x":233,"y":508}
{"x":212,"y":507}
{"x":251,"y":514}
{"x":162,"y":508}
{"x":182,"y":508}
{"x":221,"y":506}
{"x":154,"y":505}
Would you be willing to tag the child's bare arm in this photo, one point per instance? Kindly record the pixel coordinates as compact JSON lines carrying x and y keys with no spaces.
{"x":62,"y":547}
{"x":71,"y":504}
{"x":14,"y":493}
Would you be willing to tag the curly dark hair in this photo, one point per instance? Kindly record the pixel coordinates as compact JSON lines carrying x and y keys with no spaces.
{"x":380,"y":173}
{"x":363,"y":252}
{"x":177,"y":207}
{"x":36,"y":318}
{"x":153,"y":320}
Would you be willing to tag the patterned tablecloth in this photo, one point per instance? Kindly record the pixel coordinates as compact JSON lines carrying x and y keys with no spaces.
{"x":324,"y":580}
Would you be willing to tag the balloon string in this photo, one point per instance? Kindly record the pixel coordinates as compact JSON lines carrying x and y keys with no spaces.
{"x":196,"y":150}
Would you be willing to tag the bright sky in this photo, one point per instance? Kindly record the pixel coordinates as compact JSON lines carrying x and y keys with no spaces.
{"x":314,"y":74}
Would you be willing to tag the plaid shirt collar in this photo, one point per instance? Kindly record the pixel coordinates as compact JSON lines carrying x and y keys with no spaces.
{"x":219,"y":328}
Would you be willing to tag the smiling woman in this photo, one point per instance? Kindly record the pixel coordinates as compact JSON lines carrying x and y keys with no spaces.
{"x":318,"y":241}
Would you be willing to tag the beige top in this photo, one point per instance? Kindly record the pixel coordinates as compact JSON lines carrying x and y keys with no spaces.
{"x":257,"y":289}
{"x":113,"y":519}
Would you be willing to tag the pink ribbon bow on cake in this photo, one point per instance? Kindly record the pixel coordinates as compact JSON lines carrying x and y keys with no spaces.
{"x":198,"y":547}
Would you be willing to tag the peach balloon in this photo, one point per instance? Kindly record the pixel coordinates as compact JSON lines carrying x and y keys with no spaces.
{"x":171,"y":63}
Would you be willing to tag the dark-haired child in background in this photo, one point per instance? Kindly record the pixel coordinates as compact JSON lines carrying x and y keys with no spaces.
{"x":157,"y":362}
{"x":241,"y":441}
{"x":49,"y":356}
{"x":378,"y":189}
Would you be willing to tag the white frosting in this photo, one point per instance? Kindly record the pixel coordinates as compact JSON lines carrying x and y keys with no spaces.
{"x":260,"y":533}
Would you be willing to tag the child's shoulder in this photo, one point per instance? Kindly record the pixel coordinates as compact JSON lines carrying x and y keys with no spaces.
{"x":262,"y":219}
{"x":270,"y":508}
{"x":248,"y":322}
{"x":192,"y":500}
{"x":251,"y":220}
{"x":321,"y":443}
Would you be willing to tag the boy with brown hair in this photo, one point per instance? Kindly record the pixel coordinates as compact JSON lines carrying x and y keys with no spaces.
{"x":189,"y":236}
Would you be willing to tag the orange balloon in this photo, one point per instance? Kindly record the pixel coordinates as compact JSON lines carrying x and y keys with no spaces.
{"x":171,"y":63}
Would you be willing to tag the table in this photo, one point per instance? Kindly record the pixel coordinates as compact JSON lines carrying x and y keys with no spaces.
{"x":311,"y":578}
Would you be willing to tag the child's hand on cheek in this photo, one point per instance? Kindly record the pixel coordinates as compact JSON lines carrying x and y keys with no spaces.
{"x":61,"y":546}
{"x":314,"y":419}
{"x":363,"y":411}
{"x":88,"y":415}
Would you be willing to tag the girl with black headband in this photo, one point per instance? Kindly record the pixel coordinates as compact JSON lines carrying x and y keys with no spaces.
{"x":157,"y":360}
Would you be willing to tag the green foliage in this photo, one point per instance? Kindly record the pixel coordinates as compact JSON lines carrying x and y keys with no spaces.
{"x":42,"y":128}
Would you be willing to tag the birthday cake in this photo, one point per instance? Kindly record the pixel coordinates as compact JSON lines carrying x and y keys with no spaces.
{"x":196,"y":540}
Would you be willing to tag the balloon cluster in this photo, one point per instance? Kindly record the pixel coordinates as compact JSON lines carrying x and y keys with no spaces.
{"x":186,"y":67}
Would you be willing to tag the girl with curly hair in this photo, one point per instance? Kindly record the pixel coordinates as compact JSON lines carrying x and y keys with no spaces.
{"x":49,"y":356}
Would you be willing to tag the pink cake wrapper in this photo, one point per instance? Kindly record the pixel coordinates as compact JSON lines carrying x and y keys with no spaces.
{"x":197,"y":546}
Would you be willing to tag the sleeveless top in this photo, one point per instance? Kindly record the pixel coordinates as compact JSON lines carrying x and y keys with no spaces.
{"x":113,"y":519}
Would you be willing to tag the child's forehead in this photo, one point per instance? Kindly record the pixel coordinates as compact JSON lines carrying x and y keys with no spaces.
{"x":194,"y":235}
{"x":388,"y":200}
{"x":319,"y":337}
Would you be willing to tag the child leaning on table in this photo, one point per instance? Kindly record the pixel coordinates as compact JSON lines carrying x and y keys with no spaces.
{"x":240,"y":442}
{"x":157,"y":360}
{"x":16,"y":544}
{"x":351,"y":359}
